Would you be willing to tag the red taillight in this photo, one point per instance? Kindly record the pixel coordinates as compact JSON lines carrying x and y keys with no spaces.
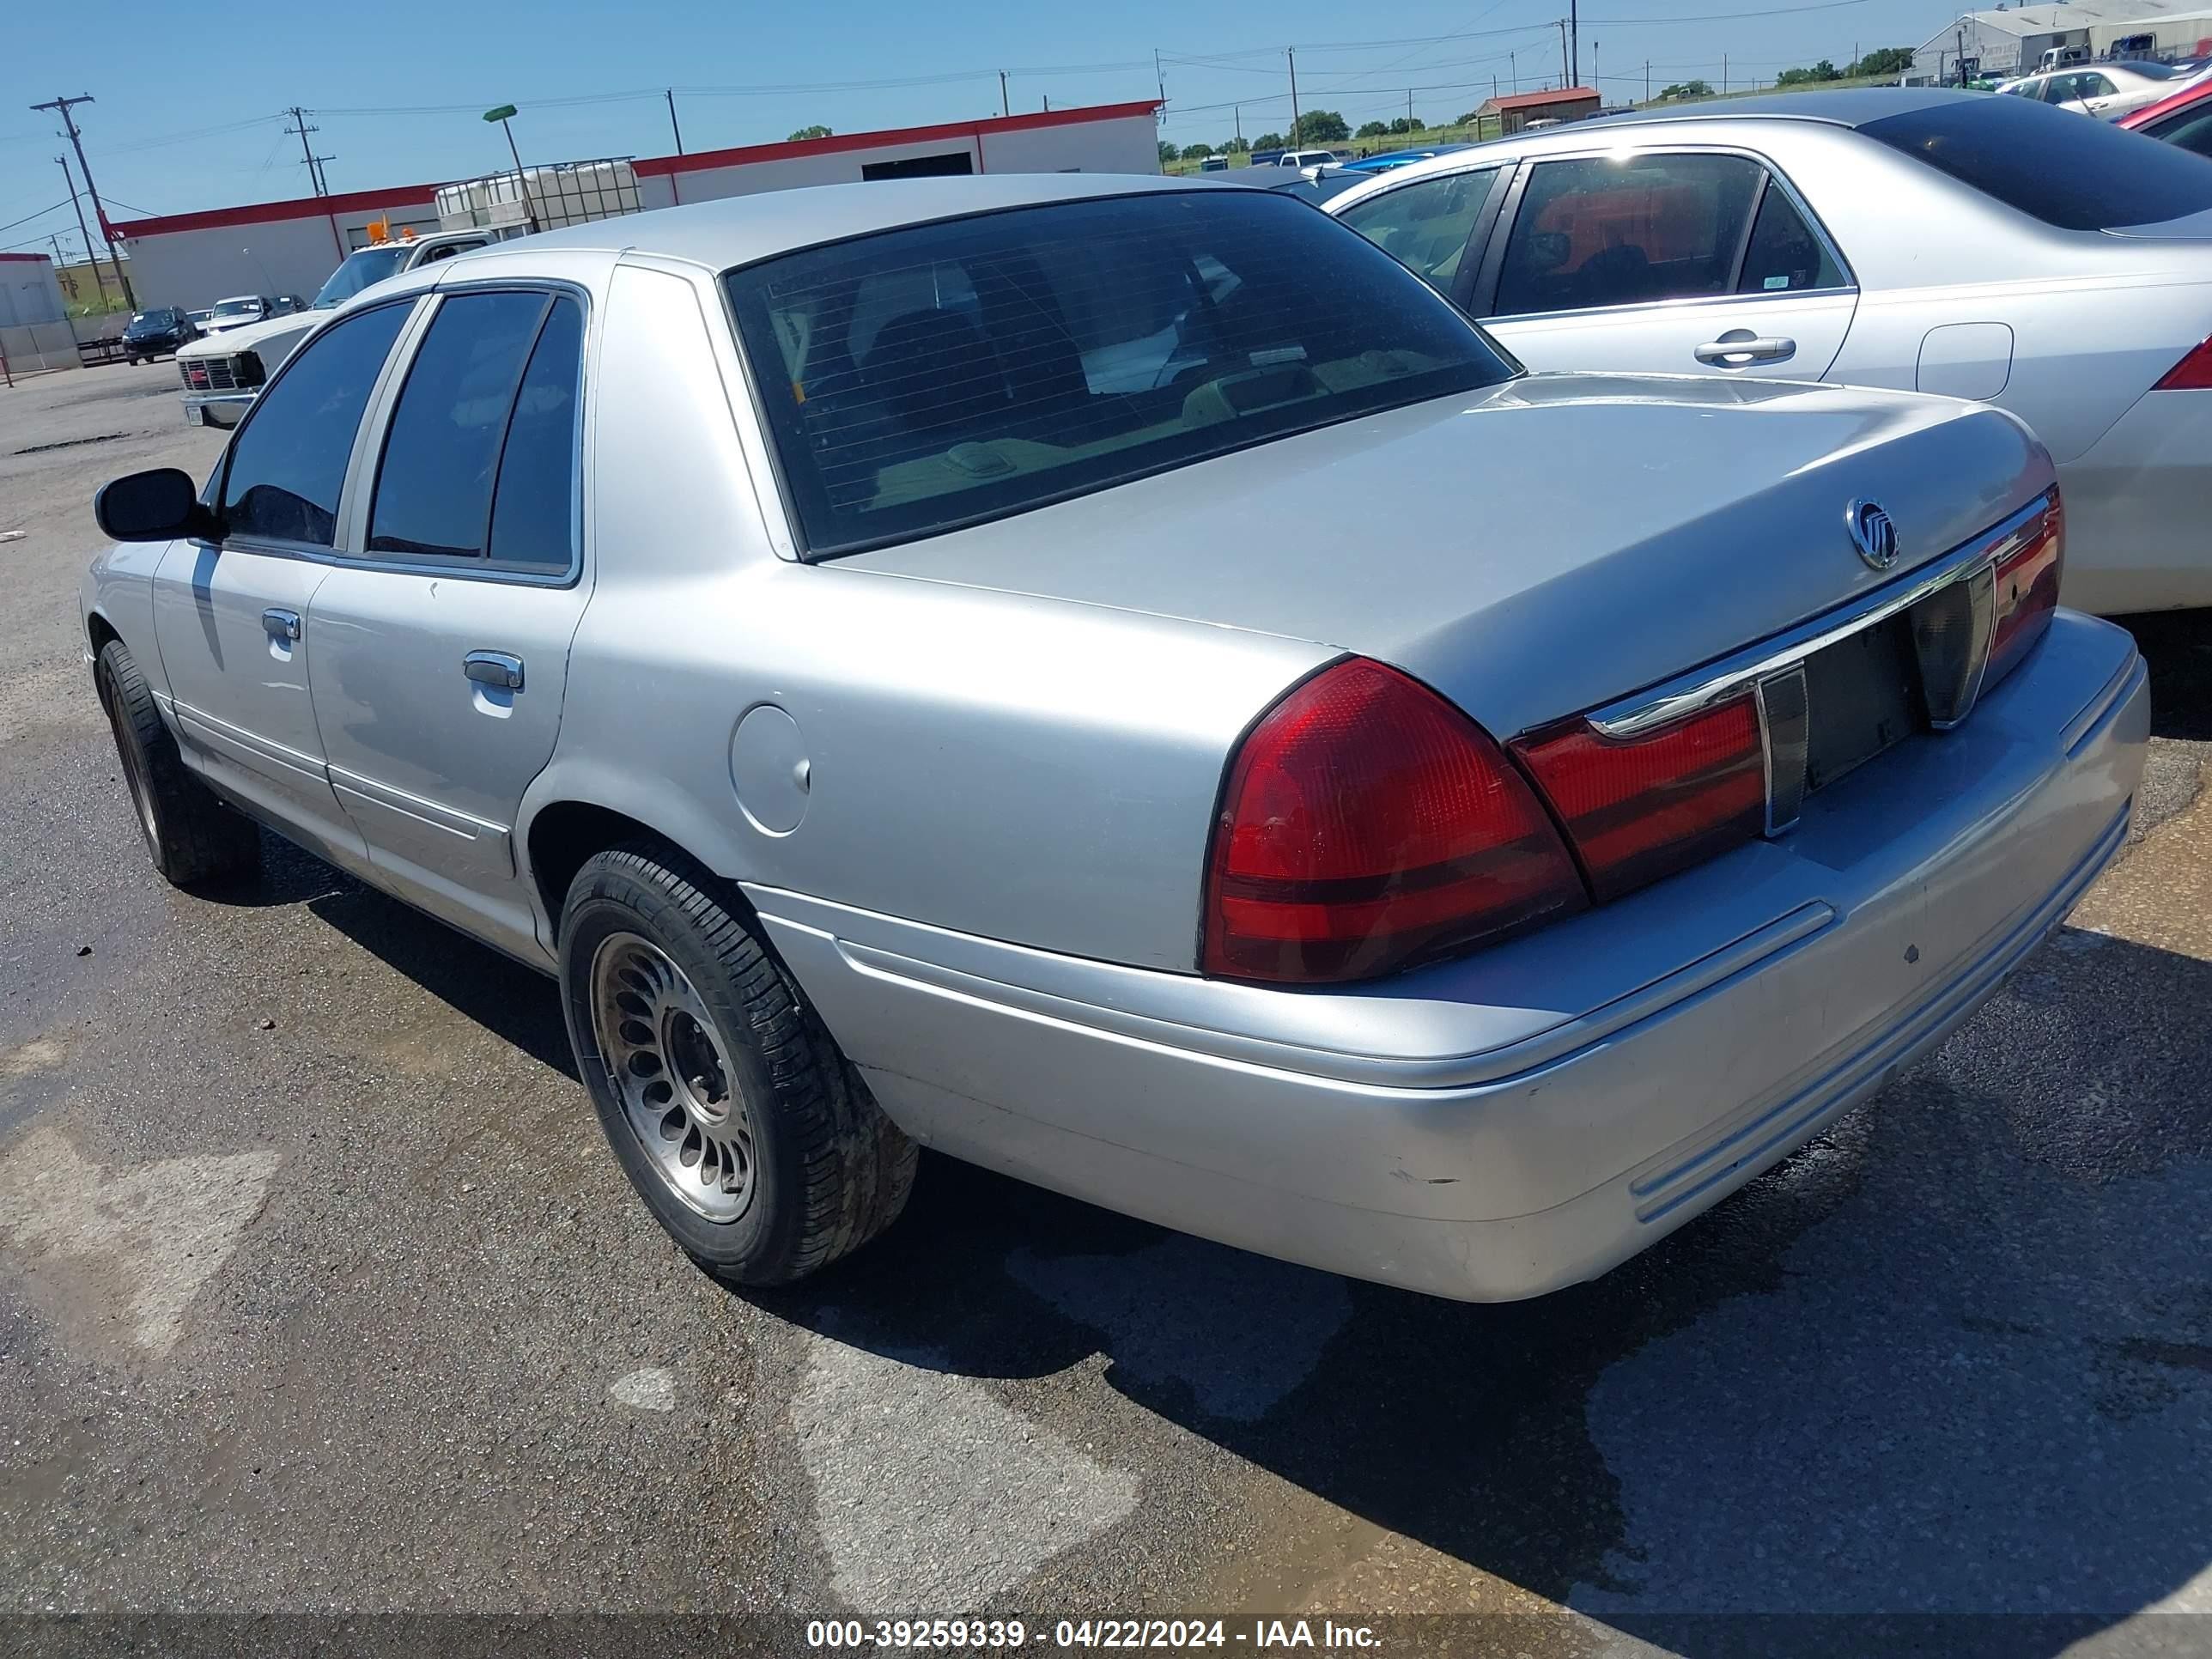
{"x":1367,"y":824}
{"x":1639,"y":808}
{"x":2026,"y":594}
{"x":2192,"y":373}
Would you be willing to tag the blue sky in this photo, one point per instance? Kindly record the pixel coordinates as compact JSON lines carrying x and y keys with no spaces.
{"x":397,"y":88}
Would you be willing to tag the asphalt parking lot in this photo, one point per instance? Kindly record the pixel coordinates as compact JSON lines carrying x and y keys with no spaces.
{"x":319,"y":1292}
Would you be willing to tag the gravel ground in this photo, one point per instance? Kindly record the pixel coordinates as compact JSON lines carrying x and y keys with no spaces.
{"x":320,"y":1295}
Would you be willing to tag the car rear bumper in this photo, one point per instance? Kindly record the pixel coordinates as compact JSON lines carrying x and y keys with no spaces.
{"x":224,"y":409}
{"x":1535,"y":1114}
{"x":2138,"y":533}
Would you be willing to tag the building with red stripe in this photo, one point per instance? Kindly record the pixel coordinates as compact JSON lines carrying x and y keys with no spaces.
{"x":193,"y":260}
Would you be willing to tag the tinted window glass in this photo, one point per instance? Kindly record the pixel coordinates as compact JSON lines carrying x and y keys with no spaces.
{"x":1424,"y":226}
{"x":287,"y":462}
{"x":1784,"y":254}
{"x":534,"y":508}
{"x":1616,"y":231}
{"x":433,"y":490}
{"x":2052,"y":165}
{"x":1053,"y":349}
{"x":2191,"y":130}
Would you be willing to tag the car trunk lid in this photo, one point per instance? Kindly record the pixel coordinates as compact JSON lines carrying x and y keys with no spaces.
{"x":1535,"y":550}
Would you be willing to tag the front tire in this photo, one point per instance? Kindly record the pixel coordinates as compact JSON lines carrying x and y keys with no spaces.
{"x":191,"y":836}
{"x":728,"y":1104}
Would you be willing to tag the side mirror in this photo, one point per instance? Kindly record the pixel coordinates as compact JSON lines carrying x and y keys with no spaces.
{"x":159,"y":506}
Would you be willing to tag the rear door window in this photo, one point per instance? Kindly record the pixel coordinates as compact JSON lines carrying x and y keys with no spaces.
{"x":434,"y":490}
{"x":1785,"y":255}
{"x":1606,"y":230}
{"x":939,"y":374}
{"x":2051,"y":164}
{"x":1424,"y":226}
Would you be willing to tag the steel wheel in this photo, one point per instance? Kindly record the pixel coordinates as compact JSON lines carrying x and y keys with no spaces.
{"x":678,"y":1090}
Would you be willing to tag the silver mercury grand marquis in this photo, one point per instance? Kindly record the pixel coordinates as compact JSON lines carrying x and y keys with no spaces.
{"x":1117,"y":680}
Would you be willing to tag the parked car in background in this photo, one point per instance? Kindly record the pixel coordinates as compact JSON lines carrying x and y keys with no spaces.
{"x":1390,"y":161}
{"x":1307,"y":158}
{"x":1214,"y":164}
{"x":1275,"y":795}
{"x":150,"y":333}
{"x":237,"y":311}
{"x":222,"y":376}
{"x":2106,"y":91}
{"x":199,"y":319}
{"x":1989,"y":248}
{"x":2184,"y":120}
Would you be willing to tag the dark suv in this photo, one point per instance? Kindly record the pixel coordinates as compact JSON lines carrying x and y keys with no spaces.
{"x":153,"y":332}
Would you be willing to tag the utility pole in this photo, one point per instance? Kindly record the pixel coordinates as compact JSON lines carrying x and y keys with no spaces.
{"x":99,"y":285}
{"x":673,"y":127}
{"x":1575,"y":34}
{"x":1513,"y":63}
{"x":1409,"y":109}
{"x":1004,"y":108}
{"x":61,"y":107}
{"x":1562,"y":50}
{"x":1290,"y":54}
{"x":1595,"y":78}
{"x":1647,"y":79}
{"x":299,"y":130}
{"x":1160,"y":75}
{"x":1238,"y":111}
{"x":1723,"y":71}
{"x":322,"y":173}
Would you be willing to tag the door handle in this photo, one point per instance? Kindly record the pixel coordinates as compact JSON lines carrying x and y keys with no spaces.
{"x":1739,"y":347}
{"x":282,"y":624}
{"x":494,"y":668}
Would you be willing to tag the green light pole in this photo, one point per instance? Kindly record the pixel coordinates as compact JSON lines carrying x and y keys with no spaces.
{"x":505,"y":115}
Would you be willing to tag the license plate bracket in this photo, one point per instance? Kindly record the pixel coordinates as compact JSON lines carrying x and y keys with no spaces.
{"x":1862,"y":695}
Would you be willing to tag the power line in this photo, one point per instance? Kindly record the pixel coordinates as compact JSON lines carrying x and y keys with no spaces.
{"x":40,"y":214}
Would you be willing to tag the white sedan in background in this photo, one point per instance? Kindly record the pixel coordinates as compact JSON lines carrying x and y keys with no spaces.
{"x":1985,"y":248}
{"x":2106,"y":91}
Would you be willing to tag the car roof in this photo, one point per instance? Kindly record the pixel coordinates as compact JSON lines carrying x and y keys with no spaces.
{"x":739,"y":230}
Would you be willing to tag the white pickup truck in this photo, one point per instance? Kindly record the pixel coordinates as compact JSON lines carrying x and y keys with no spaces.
{"x":224,"y":373}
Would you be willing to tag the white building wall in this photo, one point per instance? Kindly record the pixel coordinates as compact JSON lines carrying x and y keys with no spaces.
{"x":1129,"y":145}
{"x":29,"y":292}
{"x":195,"y":267}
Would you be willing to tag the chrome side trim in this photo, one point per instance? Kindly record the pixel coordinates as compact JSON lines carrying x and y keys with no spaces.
{"x":1730,"y":676}
{"x":429,"y":812}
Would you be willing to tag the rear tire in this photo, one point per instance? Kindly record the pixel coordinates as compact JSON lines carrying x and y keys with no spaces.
{"x":724,"y":1100}
{"x":192,"y":837}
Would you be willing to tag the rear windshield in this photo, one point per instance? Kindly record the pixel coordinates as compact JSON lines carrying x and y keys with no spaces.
{"x":925,"y":378}
{"x":2070,"y":172}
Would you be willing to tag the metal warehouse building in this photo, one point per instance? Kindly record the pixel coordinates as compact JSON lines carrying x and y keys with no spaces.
{"x":193,"y":260}
{"x":2004,"y":42}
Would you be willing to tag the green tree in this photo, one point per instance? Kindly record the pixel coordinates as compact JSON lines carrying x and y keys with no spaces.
{"x":1402,"y":124}
{"x":1167,"y":152}
{"x":1886,"y":60}
{"x":1687,"y":89}
{"x":1235,"y":147}
{"x":1196,"y":152}
{"x":1268,"y":140}
{"x":1823,"y":70}
{"x":1321,"y":126}
{"x":1373,"y":129}
{"x":817,"y":131}
{"x":1468,"y":119}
